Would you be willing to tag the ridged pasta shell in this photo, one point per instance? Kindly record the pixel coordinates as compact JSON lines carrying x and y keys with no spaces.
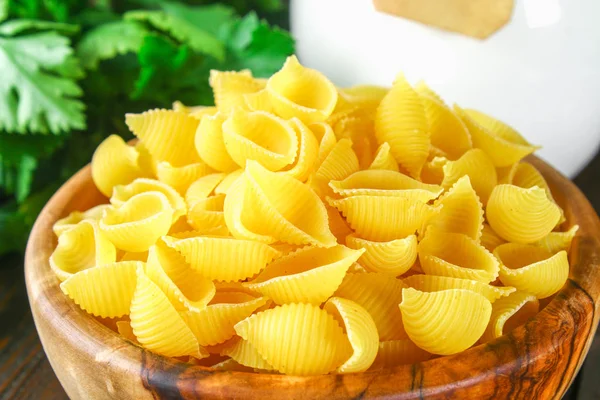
{"x":123,"y":193}
{"x":199,"y":112}
{"x":490,"y":239}
{"x":139,"y":222}
{"x":445,"y":322}
{"x":509,"y":313}
{"x":448,"y":132}
{"x":210,"y":144}
{"x":301,"y":92}
{"x":384,"y":159}
{"x":224,"y":259}
{"x":503,"y":149}
{"x":462,"y":211}
{"x":180,"y":178}
{"x":260,"y":136}
{"x":307,"y":152}
{"x":245,"y":354}
{"x":106,"y":290}
{"x":229,"y":88}
{"x":126,"y":331}
{"x":179,"y":106}
{"x":326,"y":138}
{"x":338,"y":164}
{"x":521,"y":215}
{"x":337,"y":224}
{"x":168,"y":135}
{"x":399,"y":352}
{"x":297,"y":339}
{"x":433,"y":171}
{"x":401,"y":121}
{"x":424,"y":90}
{"x":70,"y":221}
{"x":456,"y":255}
{"x":383,"y":218}
{"x":79,"y":248}
{"x":308,"y":275}
{"x":532,"y":269}
{"x":279,"y":206}
{"x":432,"y":283}
{"x":379,"y":182}
{"x":360,"y":129}
{"x":227,"y":182}
{"x":364,"y":96}
{"x":394,"y":257}
{"x":478,"y":166}
{"x":207,"y":215}
{"x":259,"y":101}
{"x":115,"y":163}
{"x":202,"y":188}
{"x":558,"y":241}
{"x":380,"y":295}
{"x":156,"y":323}
{"x":361,"y":331}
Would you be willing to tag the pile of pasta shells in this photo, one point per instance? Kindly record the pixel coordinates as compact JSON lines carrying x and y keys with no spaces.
{"x":305,"y":229}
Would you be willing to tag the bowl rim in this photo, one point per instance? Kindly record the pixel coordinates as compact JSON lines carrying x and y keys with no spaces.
{"x":514,"y":353}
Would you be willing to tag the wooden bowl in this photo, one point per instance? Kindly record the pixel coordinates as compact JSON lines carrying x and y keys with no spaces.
{"x":535,"y":361}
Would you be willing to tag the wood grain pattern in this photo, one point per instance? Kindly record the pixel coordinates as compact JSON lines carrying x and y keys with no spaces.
{"x":536,"y":361}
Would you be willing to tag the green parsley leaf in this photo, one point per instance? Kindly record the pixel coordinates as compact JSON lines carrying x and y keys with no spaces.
{"x":18,"y":26}
{"x":38,"y":85}
{"x":3,"y":10}
{"x":210,"y":18}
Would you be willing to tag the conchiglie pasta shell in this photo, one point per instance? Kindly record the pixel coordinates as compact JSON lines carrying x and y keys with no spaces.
{"x":81,"y":247}
{"x":305,"y":93}
{"x":532,"y":269}
{"x":132,"y":256}
{"x":114,"y":163}
{"x":210,"y":144}
{"x":337,"y":165}
{"x":104,"y":291}
{"x":462,"y":211}
{"x":496,"y":127}
{"x":478,"y":166}
{"x":401,"y":121}
{"x":509,"y":313}
{"x":360,"y":129}
{"x":229,"y":88}
{"x":260,"y":136}
{"x":394,"y":257}
{"x":374,"y":182}
{"x":207,"y":215}
{"x":124,"y":329}
{"x":445,"y":322}
{"x":433,"y":171}
{"x":168,"y":135}
{"x":490,"y":239}
{"x":361,"y":331}
{"x":364,"y":96}
{"x":432,"y":283}
{"x":146,"y":162}
{"x":456,"y":255}
{"x":557,"y":241}
{"x":70,"y":221}
{"x":202,"y":188}
{"x":399,"y":352}
{"x":139,"y":222}
{"x":502,"y":150}
{"x":199,"y":112}
{"x":326,"y":138}
{"x":384,"y":159}
{"x":307,"y":152}
{"x":521,"y":215}
{"x":308,"y":275}
{"x":337,"y":224}
{"x":284,"y":208}
{"x":227,"y":182}
{"x":245,"y":354}
{"x":380,"y":295}
{"x":259,"y":101}
{"x":297,"y":339}
{"x":424,"y":90}
{"x":224,"y":259}
{"x":156,"y":323}
{"x":383,"y":218}
{"x":179,"y":106}
{"x":180,"y":178}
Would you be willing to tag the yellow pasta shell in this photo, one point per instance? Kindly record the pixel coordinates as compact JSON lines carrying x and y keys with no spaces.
{"x":260,"y":136}
{"x":461,"y":212}
{"x":557,"y":241}
{"x":199,"y":112}
{"x":394,"y":257}
{"x":180,"y":178}
{"x":202,"y":188}
{"x":132,"y":256}
{"x":70,"y":221}
{"x":156,"y":323}
{"x":432,"y":283}
{"x":104,"y":291}
{"x":433,"y":171}
{"x":399,"y":352}
{"x":210,"y":144}
{"x":490,"y":239}
{"x":456,"y":255}
{"x":521,"y":215}
{"x":305,"y":93}
{"x":384,"y":159}
{"x":496,"y":127}
{"x":284,"y":208}
{"x":139,"y":222}
{"x":326,"y":138}
{"x":380,"y":295}
{"x":532,"y":269}
{"x":307,"y":152}
{"x":207,"y":215}
{"x":227,"y":182}
{"x":509,"y":313}
{"x":364,"y":96}
{"x":384,"y":218}
{"x":297,"y":339}
{"x":338,"y":164}
{"x":222,"y":258}
{"x":168,"y":135}
{"x":259,"y":101}
{"x":445,"y":322}
{"x":79,"y":248}
{"x":503,"y":149}
{"x":379,"y":182}
{"x":229,"y":88}
{"x":424,"y":90}
{"x":337,"y":224}
{"x":478,"y":166}
{"x":360,"y":129}
{"x":124,"y":329}
{"x":401,"y":121}
{"x":245,"y":354}
{"x":361,"y":331}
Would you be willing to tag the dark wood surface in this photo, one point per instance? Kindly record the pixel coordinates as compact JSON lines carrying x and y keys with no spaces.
{"x":25,"y":372}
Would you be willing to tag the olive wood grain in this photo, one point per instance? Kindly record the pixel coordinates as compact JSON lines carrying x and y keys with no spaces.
{"x":535,"y":361}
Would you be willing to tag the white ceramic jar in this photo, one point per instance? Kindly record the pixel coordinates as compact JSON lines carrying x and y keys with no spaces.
{"x":540,"y":73}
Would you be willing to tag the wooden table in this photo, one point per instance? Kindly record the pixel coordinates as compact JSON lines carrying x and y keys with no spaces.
{"x":26,"y":374}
